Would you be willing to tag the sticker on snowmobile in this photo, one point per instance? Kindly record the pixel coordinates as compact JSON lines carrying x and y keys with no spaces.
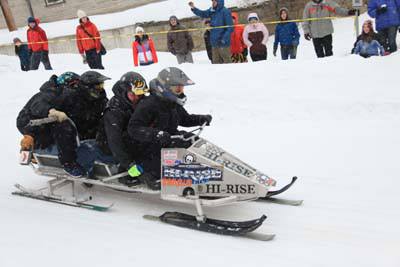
{"x":229,"y":164}
{"x":25,"y":157}
{"x":169,"y":162}
{"x":170,"y":154}
{"x":198,"y":173}
{"x":176,"y":182}
{"x":230,"y":189}
{"x":190,"y":158}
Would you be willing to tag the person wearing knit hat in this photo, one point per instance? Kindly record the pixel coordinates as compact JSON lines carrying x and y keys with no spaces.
{"x":287,"y":35}
{"x":179,"y":41}
{"x":38,"y":45}
{"x":367,"y":44}
{"x":22,"y":51}
{"x":89,"y":42}
{"x":144,"y":52}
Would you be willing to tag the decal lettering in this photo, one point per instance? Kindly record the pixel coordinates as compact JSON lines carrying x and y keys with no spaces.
{"x":196,"y":172}
{"x":235,"y":189}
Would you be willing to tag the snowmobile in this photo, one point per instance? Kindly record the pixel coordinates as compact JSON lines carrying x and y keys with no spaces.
{"x":203,"y":175}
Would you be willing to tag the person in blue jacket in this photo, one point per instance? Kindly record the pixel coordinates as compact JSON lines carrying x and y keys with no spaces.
{"x":220,"y":37}
{"x":367,"y":46}
{"x":387,"y":20}
{"x":22,"y":51}
{"x":287,"y":34}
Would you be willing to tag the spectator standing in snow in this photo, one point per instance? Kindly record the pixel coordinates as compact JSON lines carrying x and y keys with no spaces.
{"x":88,"y":41}
{"x":207,"y":41}
{"x":255,"y":36}
{"x":387,"y":19}
{"x":144,"y":52}
{"x":238,"y":47}
{"x":287,"y":34}
{"x":367,"y":45}
{"x":220,"y":38}
{"x":180,"y":42}
{"x":22,"y":51}
{"x":38,"y":45}
{"x":320,"y":31}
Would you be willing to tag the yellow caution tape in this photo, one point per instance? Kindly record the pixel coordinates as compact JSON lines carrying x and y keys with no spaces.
{"x":184,"y":30}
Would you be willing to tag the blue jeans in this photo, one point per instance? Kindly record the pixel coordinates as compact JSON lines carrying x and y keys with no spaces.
{"x":288,"y":50}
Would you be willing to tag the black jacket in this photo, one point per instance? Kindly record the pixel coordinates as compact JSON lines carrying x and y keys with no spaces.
{"x":38,"y":108}
{"x":84,"y":110}
{"x":115,"y":119}
{"x":154,"y":114}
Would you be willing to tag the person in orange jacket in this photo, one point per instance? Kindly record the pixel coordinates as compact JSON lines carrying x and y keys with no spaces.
{"x":88,"y":41}
{"x":238,"y":47}
{"x":144,"y":52}
{"x":38,"y":45}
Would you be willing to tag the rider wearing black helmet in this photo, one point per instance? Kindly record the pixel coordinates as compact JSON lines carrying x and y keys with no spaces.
{"x":157,"y":117}
{"x":128,"y":91}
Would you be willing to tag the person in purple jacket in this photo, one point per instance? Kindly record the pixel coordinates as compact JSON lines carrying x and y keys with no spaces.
{"x":387,"y":20}
{"x":287,"y":34}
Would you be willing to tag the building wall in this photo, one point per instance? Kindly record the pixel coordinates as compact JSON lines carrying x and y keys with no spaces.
{"x":116,"y":38}
{"x":66,"y":10}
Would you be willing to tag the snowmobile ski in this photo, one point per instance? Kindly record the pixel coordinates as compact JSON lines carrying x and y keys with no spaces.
{"x":282,"y":201}
{"x":283,"y":189}
{"x":63,"y":202}
{"x":241,"y":229}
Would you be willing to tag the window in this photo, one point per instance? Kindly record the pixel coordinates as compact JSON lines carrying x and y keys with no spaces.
{"x":53,"y":2}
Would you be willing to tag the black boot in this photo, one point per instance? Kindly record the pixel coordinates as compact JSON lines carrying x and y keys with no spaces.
{"x":150,"y":181}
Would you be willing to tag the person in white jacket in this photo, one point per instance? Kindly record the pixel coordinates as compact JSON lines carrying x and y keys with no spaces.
{"x":255,"y":36}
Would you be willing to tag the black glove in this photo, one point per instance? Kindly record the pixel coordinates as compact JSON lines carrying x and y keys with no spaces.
{"x":275,"y":49}
{"x":163,"y":138}
{"x":245,"y":52}
{"x":354,"y":12}
{"x":205,"y":119}
{"x":381,"y":10}
{"x":307,"y":36}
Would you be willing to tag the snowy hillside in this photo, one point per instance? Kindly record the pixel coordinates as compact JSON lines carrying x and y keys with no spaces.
{"x":158,"y":11}
{"x":333,"y":122}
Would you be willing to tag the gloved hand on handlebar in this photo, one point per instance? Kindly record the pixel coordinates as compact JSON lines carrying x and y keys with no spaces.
{"x":205,"y":119}
{"x":163,"y":138}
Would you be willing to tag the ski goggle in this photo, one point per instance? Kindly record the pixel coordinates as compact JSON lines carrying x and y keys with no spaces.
{"x":139,"y":87}
{"x":177,"y":89}
{"x":96,"y":90}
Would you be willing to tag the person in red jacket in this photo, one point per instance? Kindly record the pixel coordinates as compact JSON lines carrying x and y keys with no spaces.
{"x":144,"y":52}
{"x":88,"y":41}
{"x":238,"y":47}
{"x":38,"y":45}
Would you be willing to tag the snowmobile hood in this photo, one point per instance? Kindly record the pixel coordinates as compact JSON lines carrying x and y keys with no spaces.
{"x":235,"y":18}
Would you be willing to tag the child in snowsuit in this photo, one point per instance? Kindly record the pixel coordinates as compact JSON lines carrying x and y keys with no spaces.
{"x":22,"y":51}
{"x":255,"y":36}
{"x":287,"y":34}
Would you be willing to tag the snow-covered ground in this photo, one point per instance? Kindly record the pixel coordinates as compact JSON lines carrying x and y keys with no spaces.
{"x":158,"y":11}
{"x":333,"y":122}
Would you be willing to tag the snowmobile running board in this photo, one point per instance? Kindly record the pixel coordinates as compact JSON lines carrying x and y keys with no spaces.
{"x":229,"y":228}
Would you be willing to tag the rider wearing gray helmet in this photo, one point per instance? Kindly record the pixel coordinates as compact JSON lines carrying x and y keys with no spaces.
{"x":157,"y":117}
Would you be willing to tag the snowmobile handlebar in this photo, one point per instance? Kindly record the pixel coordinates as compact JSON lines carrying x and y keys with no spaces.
{"x":39,"y":122}
{"x":194,"y":135}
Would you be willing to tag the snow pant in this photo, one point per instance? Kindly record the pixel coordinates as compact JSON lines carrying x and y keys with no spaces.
{"x":41,"y":56}
{"x":288,"y":51}
{"x":94,"y":59}
{"x":221,"y":55}
{"x":89,"y":152}
{"x":188,"y":58}
{"x":323,"y":46}
{"x":63,"y":142}
{"x":387,"y":38}
{"x":259,"y":57}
